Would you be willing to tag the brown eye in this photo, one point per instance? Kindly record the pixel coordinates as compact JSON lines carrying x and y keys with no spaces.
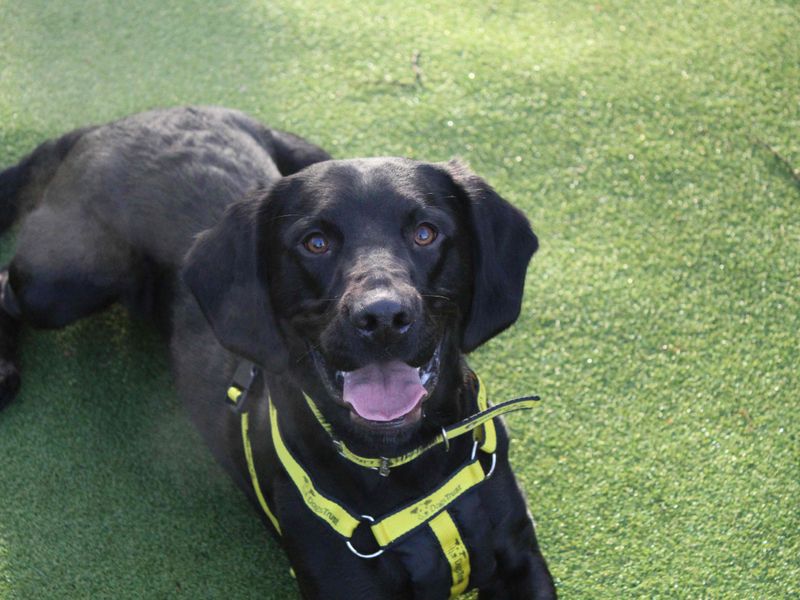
{"x":424,"y":235}
{"x":316,"y":243}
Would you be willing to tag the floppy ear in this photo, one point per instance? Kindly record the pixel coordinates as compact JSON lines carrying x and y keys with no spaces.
{"x":221,"y":271}
{"x":503,"y":243}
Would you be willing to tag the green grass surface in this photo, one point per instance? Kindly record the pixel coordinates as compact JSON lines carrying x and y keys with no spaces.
{"x":655,"y":147}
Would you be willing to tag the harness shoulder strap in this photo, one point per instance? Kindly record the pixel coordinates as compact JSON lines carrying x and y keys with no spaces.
{"x":251,"y":468}
{"x":330,"y":511}
{"x":487,"y":435}
{"x":237,"y":395}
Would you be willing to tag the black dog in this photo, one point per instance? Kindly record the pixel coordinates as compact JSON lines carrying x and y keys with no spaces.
{"x":317,"y":328}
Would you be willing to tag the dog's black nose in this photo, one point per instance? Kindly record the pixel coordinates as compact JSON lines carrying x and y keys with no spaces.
{"x":382,"y":316}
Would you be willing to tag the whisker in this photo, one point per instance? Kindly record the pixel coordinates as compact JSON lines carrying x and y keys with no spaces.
{"x":312,"y":348}
{"x":439,"y":297}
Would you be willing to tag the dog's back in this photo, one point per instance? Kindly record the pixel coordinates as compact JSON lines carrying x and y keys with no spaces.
{"x":155,"y":179}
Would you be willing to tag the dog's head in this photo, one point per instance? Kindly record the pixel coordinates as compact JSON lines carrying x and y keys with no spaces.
{"x":366,"y":279}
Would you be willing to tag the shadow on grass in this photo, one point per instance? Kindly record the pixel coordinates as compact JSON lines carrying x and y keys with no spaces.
{"x":107,"y":491}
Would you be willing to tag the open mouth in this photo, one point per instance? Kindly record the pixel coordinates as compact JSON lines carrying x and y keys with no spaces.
{"x":382,"y":394}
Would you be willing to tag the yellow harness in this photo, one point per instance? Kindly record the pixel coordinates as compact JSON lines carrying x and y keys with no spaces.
{"x":430,"y":510}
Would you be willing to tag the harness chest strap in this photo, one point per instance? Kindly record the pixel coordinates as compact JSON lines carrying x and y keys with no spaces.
{"x":388,"y":529}
{"x":430,"y":510}
{"x":454,"y":549}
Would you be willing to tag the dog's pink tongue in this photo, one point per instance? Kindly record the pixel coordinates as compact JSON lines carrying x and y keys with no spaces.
{"x":383,"y":391}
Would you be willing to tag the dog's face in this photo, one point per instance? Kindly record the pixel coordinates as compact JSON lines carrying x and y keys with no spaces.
{"x":365,"y":279}
{"x":369,"y":266}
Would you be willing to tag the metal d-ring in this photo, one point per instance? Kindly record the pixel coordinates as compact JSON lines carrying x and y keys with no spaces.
{"x":356,"y":552}
{"x":491,"y":469}
{"x":446,"y":441}
{"x":494,"y":458}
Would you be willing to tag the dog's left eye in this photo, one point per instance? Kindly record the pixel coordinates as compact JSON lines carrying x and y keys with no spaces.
{"x":425,"y":234}
{"x":316,"y":243}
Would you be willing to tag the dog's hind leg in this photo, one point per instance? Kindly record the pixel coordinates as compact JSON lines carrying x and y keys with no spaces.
{"x":9,"y":338}
{"x":22,"y":189}
{"x":67,"y":266}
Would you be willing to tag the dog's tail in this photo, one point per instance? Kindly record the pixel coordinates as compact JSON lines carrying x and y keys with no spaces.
{"x":22,"y":184}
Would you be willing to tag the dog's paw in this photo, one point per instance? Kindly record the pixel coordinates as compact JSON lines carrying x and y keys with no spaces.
{"x":9,"y":382}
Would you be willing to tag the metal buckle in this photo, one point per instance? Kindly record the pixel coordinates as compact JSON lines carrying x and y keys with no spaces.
{"x":383,"y":470}
{"x":356,"y":552}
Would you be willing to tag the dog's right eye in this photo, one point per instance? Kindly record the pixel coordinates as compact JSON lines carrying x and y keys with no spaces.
{"x":316,"y":243}
{"x":425,"y":234}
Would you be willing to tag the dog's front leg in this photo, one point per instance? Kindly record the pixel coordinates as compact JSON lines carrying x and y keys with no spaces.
{"x":326,"y":569}
{"x":522,"y":572}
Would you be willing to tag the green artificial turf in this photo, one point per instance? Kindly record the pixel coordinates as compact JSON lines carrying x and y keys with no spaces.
{"x":654,"y":146}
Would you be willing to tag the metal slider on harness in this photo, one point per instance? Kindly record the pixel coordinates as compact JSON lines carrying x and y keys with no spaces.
{"x":383,"y":467}
{"x":238,"y":391}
